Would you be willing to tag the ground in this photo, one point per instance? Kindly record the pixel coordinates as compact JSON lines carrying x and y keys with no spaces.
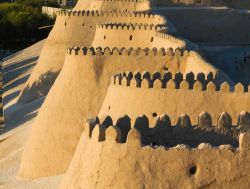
{"x":19,"y":117}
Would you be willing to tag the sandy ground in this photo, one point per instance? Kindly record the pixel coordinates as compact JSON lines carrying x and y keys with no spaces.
{"x":19,"y":117}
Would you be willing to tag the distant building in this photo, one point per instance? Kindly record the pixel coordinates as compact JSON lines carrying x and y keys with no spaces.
{"x":67,"y":3}
{"x":243,"y":4}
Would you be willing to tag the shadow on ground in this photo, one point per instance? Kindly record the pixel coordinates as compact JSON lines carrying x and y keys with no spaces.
{"x":14,"y":70}
{"x":20,"y":113}
{"x":39,"y":88}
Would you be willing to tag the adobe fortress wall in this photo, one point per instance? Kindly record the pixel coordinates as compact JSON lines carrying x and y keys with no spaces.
{"x":177,"y":60}
{"x":174,"y":94}
{"x":115,"y":5}
{"x":86,"y":74}
{"x":103,"y":158}
{"x":241,"y":4}
{"x":73,"y":28}
{"x":136,"y":36}
{"x":210,"y":25}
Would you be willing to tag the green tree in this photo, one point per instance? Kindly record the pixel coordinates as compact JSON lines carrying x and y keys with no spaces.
{"x":19,"y":24}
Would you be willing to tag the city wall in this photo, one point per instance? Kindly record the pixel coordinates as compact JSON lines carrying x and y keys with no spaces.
{"x":173,"y":94}
{"x":210,"y":25}
{"x":86,"y":75}
{"x":102,"y":159}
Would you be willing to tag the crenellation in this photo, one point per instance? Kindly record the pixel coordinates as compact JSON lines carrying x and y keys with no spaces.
{"x":171,"y":38}
{"x":179,"y":81}
{"x":106,"y":120}
{"x":95,"y":13}
{"x":90,"y":125}
{"x":211,"y":86}
{"x":223,"y":136}
{"x":107,"y":51}
{"x":76,"y":50}
{"x":197,"y":86}
{"x":171,"y":84}
{"x":116,"y":51}
{"x":244,"y":120}
{"x":124,"y":52}
{"x":131,"y":33}
{"x":98,"y":133}
{"x":130,"y":52}
{"x":146,"y":83}
{"x":184,"y":121}
{"x":184,"y":85}
{"x":204,"y":120}
{"x":224,"y":120}
{"x":99,"y":51}
{"x":125,"y":81}
{"x":91,"y":52}
{"x":225,"y":87}
{"x":131,"y":26}
{"x":157,"y":84}
{"x":239,"y":88}
{"x":113,"y":133}
{"x":134,"y":137}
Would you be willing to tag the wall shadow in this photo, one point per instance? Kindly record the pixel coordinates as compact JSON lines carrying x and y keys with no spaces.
{"x":14,"y":70}
{"x":39,"y":88}
{"x":21,"y":113}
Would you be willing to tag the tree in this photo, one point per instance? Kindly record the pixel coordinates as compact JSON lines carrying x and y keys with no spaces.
{"x":19,"y":24}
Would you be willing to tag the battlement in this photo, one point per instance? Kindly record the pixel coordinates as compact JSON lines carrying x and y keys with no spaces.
{"x":195,"y":155}
{"x":164,"y":133}
{"x":136,"y":35}
{"x":126,"y":52}
{"x":166,"y":36}
{"x":115,"y":5}
{"x":125,"y":26}
{"x":97,"y":13}
{"x":174,"y":93}
{"x":168,"y":80}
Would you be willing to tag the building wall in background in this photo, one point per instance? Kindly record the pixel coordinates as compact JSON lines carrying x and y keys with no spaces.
{"x":67,"y":3}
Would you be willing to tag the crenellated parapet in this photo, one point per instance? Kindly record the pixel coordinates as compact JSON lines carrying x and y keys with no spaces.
{"x":136,"y":35}
{"x":83,"y":51}
{"x":168,"y":80}
{"x":100,"y":17}
{"x":115,"y":5}
{"x":166,"y":133}
{"x":165,"y":36}
{"x":96,"y":13}
{"x":143,"y":160}
{"x":118,"y":5}
{"x":195,"y":155}
{"x":86,"y":21}
{"x":136,"y":26}
{"x":175,"y":93}
{"x":177,"y":60}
